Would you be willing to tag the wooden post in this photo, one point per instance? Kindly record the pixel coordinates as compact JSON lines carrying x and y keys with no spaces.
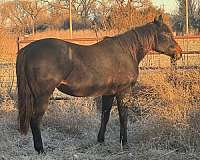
{"x":187,"y":25}
{"x":70,"y":18}
{"x":186,"y":17}
{"x":173,"y":71}
{"x":173,"y":64}
{"x":18,"y":44}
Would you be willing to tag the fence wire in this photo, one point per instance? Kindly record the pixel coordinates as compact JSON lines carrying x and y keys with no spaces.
{"x":150,"y":62}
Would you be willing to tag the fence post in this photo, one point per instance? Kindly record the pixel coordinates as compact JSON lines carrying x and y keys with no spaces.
{"x":173,"y":64}
{"x":18,"y":44}
{"x":173,"y":71}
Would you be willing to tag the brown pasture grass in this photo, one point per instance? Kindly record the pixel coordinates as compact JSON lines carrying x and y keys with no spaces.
{"x":163,"y":123}
{"x":174,"y":108}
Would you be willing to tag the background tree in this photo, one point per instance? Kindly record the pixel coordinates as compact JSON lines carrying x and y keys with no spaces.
{"x":85,"y":9}
{"x":22,"y":15}
{"x":33,"y":10}
{"x":118,"y":15}
{"x":133,"y":13}
{"x":194,"y":14}
{"x":12,"y":15}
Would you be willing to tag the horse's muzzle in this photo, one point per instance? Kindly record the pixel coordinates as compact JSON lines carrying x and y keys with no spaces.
{"x":178,"y":53}
{"x":178,"y":56}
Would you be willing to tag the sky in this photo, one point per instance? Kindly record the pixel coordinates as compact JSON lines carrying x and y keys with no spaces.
{"x":169,"y":5}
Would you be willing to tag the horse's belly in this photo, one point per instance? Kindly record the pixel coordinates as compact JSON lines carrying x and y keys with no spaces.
{"x":88,"y":90}
{"x":84,"y":84}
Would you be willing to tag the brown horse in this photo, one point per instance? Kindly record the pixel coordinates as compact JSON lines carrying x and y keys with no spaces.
{"x":108,"y":69}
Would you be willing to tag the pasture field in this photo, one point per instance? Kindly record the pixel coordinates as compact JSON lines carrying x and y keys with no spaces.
{"x":163,"y":118}
{"x":163,"y":124}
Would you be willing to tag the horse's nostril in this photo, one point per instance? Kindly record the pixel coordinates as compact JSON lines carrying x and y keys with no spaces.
{"x":179,"y":49}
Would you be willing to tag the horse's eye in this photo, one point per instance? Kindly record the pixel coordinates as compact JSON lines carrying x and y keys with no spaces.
{"x":164,"y":34}
{"x":168,"y":35}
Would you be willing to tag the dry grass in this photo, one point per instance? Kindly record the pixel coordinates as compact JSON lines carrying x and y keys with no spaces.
{"x":174,"y":109}
{"x":163,"y":124}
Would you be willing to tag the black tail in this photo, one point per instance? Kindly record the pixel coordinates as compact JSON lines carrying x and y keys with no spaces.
{"x":25,"y":96}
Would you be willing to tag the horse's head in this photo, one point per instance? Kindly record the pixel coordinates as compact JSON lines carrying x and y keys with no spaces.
{"x":165,"y":42}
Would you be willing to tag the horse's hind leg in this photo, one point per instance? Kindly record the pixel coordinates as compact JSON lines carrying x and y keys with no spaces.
{"x":40,"y":106}
{"x":106,"y":107}
{"x":123,"y":117}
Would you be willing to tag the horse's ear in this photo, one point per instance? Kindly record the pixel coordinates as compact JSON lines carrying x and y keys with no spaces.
{"x":158,"y":20}
{"x":155,"y":20}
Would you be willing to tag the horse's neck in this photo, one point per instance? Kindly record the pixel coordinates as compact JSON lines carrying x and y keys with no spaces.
{"x":138,"y":42}
{"x":146,"y":44}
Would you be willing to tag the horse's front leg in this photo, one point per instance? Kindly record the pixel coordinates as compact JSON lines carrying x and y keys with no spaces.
{"x":122,"y":104}
{"x":106,"y":108}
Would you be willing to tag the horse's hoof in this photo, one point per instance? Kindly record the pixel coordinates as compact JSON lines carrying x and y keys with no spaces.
{"x":40,"y":151}
{"x":125,"y":147}
{"x":100,"y":140}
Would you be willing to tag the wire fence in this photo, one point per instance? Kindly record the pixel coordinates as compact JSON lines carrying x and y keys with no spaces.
{"x":189,"y":44}
{"x":152,"y":61}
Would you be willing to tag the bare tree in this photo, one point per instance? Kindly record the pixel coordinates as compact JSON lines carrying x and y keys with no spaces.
{"x":33,"y":9}
{"x":194,"y":10}
{"x":133,"y":13}
{"x":22,"y":14}
{"x":12,"y":15}
{"x":59,"y":11}
{"x":108,"y":14}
